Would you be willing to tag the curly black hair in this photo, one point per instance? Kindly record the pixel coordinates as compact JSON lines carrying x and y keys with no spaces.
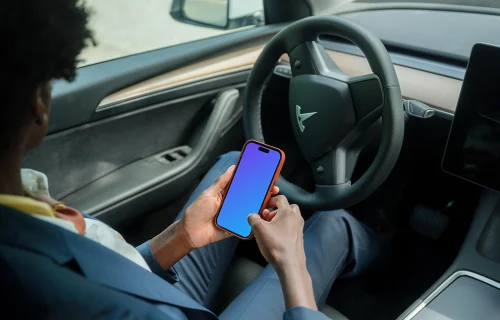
{"x":39,"y":41}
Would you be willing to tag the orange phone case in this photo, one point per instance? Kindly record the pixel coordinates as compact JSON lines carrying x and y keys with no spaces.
{"x":271,"y":185}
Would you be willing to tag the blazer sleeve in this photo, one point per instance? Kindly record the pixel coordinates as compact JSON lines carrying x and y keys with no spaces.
{"x":169,"y":275}
{"x":302,"y":313}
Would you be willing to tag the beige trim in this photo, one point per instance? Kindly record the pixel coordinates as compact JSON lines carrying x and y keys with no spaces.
{"x":232,"y":62}
{"x":435,"y":90}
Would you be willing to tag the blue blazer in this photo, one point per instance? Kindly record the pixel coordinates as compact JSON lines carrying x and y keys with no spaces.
{"x":49,"y":272}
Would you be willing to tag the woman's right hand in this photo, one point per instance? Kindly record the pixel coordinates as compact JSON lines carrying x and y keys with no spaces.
{"x":279,"y":233}
{"x":280,"y":238}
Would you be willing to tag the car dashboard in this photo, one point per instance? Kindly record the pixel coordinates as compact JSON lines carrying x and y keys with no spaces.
{"x":470,"y":288}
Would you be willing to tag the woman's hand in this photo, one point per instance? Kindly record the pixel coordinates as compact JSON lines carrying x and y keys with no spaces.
{"x":198,"y":221}
{"x":279,"y":235}
{"x":197,"y":227}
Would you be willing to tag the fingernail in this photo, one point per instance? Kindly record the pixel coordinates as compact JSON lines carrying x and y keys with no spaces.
{"x":230,"y":168}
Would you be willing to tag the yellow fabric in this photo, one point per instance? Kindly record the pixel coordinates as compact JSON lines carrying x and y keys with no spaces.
{"x":26,"y":205}
{"x":58,"y":206}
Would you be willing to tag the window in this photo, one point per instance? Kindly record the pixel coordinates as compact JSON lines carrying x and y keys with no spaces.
{"x":478,"y":3}
{"x":126,"y":27}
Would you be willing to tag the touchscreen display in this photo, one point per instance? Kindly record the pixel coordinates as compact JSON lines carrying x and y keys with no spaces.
{"x":473,"y":148}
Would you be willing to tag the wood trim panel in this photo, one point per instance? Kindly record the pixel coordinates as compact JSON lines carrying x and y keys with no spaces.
{"x":435,"y":90}
{"x":231,"y":62}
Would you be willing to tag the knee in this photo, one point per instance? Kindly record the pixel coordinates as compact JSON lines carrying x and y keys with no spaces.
{"x":333,"y":216}
{"x":329,"y":229}
{"x":228,"y":159}
{"x":331,"y":220}
{"x":231,"y":156}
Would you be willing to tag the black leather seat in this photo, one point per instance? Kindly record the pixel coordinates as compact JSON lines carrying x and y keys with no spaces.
{"x":241,"y":272}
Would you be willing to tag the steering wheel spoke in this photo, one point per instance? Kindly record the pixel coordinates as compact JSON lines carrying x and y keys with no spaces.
{"x":311,"y":58}
{"x":367,"y":95}
{"x":337,"y":165}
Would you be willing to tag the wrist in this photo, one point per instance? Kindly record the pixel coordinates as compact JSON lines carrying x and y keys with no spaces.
{"x":289,"y":263}
{"x":184,"y":234}
{"x":297,"y":287}
{"x":170,"y":245}
{"x":292,"y":271}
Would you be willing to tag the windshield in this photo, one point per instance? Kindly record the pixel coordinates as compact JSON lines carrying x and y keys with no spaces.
{"x":476,"y":3}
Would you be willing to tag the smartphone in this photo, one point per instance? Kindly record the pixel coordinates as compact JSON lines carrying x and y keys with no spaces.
{"x":256,"y":172}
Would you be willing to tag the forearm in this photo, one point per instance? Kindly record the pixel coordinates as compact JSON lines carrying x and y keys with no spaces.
{"x":170,"y":246}
{"x":297,"y":287}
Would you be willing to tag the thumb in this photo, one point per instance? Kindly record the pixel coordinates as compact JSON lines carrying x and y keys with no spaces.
{"x":255,"y":221}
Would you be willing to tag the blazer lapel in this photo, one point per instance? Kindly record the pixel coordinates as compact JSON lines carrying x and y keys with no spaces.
{"x":98,"y":263}
{"x":107,"y":267}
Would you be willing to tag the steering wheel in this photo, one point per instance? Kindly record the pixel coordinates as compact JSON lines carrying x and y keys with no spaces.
{"x":332,"y":114}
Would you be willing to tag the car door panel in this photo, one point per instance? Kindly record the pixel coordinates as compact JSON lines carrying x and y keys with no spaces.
{"x":152,"y":181}
{"x":75,"y":103}
{"x":78,"y":156}
{"x":109,"y":129}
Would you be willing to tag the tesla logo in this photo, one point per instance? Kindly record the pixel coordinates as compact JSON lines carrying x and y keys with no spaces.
{"x":301,"y":117}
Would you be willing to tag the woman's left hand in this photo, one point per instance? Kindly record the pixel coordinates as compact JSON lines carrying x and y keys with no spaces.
{"x":198,"y":220}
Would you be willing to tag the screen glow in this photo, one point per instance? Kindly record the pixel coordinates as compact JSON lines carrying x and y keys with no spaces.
{"x":248,"y":189}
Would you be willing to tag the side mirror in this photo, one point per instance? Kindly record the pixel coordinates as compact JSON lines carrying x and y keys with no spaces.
{"x":219,"y":14}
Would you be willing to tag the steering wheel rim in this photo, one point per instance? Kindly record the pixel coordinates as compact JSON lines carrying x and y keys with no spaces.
{"x":317,"y":74}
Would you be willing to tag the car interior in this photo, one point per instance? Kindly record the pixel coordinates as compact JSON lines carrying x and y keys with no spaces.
{"x":407,"y":139}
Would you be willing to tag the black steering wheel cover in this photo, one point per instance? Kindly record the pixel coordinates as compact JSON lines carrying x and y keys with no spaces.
{"x":329,"y":197}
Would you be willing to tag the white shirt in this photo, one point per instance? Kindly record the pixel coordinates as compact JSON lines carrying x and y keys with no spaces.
{"x":37,"y":183}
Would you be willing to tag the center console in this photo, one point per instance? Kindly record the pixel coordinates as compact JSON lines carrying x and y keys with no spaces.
{"x":463,"y":296}
{"x":470,"y":289}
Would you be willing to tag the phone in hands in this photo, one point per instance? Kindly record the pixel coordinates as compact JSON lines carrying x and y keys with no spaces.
{"x":250,"y":188}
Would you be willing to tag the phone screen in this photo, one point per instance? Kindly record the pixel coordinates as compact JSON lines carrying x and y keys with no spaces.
{"x":249,"y":187}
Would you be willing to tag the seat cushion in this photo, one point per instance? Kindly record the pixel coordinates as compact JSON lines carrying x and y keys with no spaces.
{"x":241,"y":272}
{"x":331,"y":313}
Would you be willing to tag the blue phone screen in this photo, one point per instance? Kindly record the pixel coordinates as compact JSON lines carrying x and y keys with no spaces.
{"x":249,"y":187}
